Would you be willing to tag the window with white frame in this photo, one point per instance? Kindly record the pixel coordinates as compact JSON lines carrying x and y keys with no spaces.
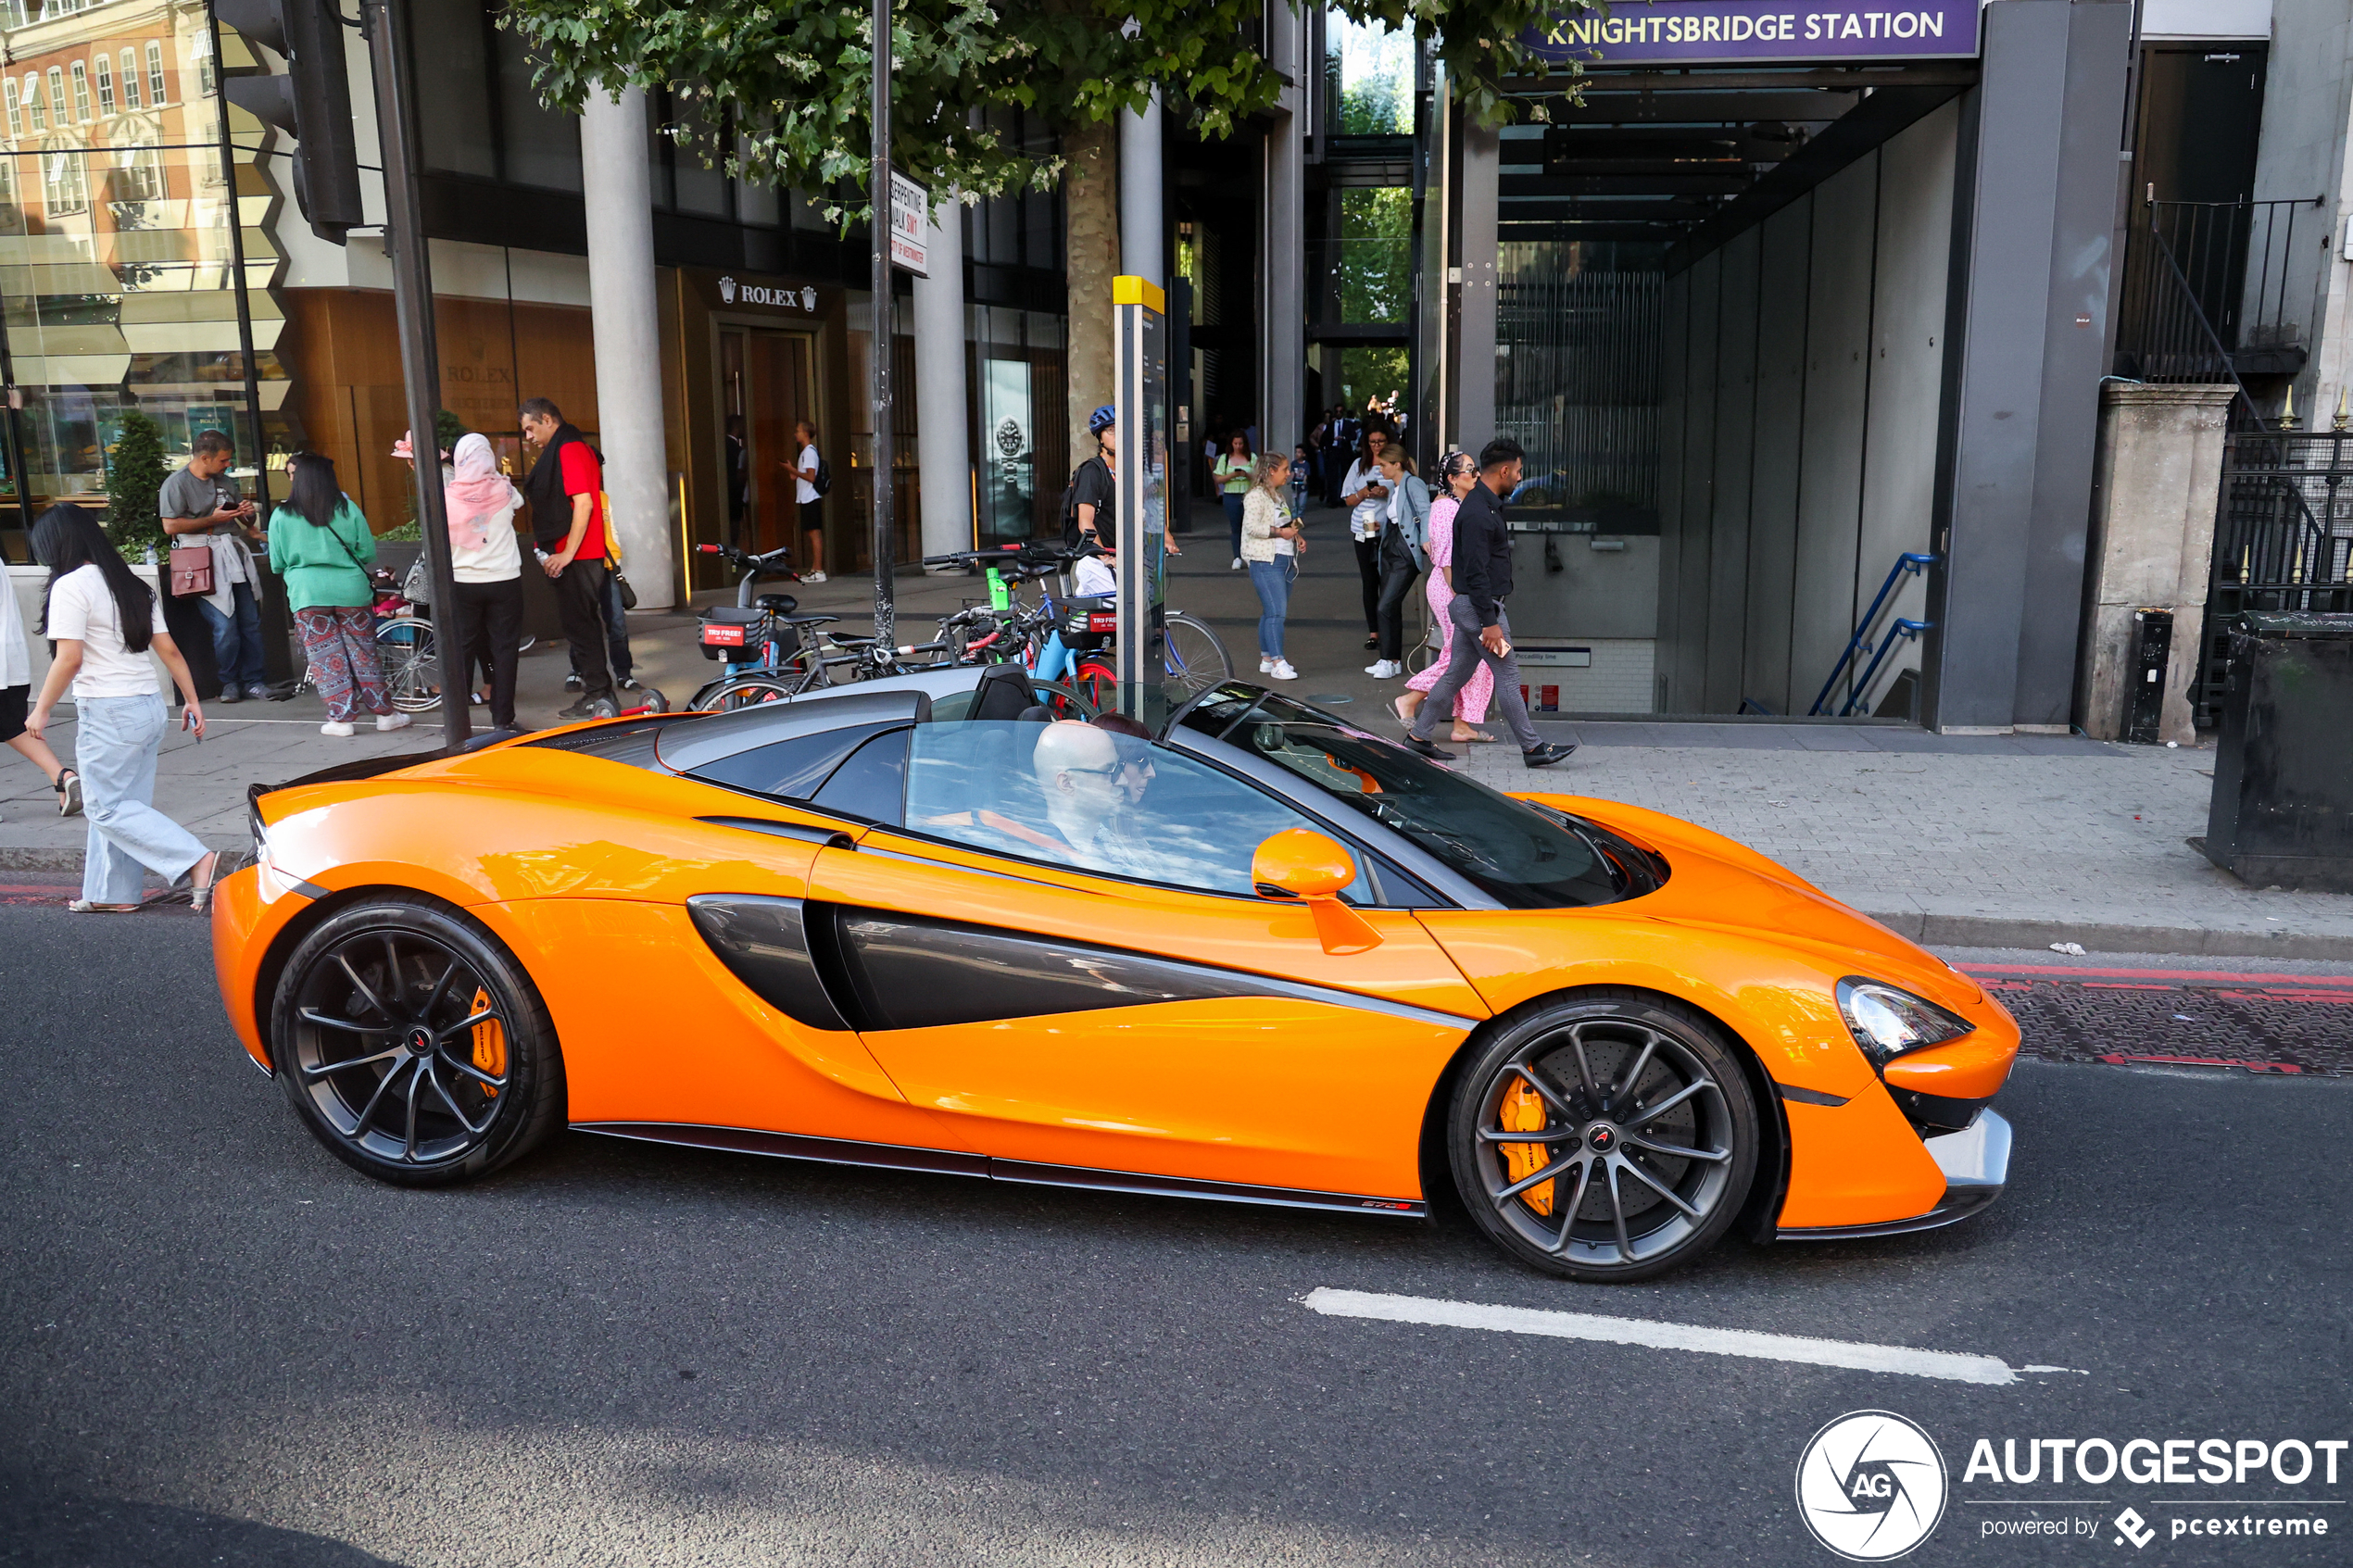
{"x":156,"y":93}
{"x":36,"y":114}
{"x":58,"y":95}
{"x":106,"y":84}
{"x":16,"y":110}
{"x":130,"y":80}
{"x":141,"y":176}
{"x":80,"y":93}
{"x":65,"y":182}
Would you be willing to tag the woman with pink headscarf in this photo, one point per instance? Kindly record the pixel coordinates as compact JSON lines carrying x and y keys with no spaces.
{"x":488,"y":618}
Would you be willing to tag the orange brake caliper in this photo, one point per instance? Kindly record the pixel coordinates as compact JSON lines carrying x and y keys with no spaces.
{"x":490,"y":1044}
{"x":1523,"y":1111}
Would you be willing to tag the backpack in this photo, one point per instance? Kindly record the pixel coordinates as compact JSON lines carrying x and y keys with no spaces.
{"x":1069,"y":503}
{"x":825,"y":480}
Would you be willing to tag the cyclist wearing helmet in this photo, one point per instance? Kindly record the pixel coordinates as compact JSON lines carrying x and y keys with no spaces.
{"x":1091,"y":510}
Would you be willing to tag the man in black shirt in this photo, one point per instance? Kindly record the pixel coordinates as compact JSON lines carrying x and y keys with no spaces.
{"x":1482,"y":571}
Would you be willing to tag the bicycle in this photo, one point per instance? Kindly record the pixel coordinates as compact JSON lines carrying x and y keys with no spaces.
{"x":750,"y":626}
{"x":1073,"y":635}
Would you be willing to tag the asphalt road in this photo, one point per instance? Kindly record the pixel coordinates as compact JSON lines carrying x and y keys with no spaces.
{"x":222,"y":1345}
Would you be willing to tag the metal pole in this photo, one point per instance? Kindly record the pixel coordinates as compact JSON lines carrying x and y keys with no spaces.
{"x":420,"y":361}
{"x":878,"y":359}
{"x":237,"y":260}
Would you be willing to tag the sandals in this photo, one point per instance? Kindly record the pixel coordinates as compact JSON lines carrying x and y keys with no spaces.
{"x":1474,"y":738}
{"x":205,"y":874}
{"x":69,"y":788}
{"x":84,"y":906}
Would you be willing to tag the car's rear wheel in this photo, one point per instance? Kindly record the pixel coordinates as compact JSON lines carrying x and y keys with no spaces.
{"x":1609,"y":1137}
{"x":413,"y":1046}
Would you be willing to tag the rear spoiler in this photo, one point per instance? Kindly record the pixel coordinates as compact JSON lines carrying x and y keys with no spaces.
{"x":371,"y":767}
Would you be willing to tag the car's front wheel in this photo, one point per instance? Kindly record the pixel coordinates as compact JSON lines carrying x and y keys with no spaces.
{"x":413,"y":1046}
{"x":1611,"y":1135}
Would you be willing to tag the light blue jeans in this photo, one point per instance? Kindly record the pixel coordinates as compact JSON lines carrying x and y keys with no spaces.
{"x":1273,"y":579}
{"x":115,"y":744}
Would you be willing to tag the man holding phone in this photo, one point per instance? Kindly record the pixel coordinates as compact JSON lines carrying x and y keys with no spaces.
{"x":200,"y":505}
{"x":1483,"y":569}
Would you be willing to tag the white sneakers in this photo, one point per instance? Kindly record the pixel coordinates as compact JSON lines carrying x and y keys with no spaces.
{"x":1384,"y":670}
{"x":812,"y":577}
{"x":1236,"y":566}
{"x":340,"y":728}
{"x":1279,"y":670}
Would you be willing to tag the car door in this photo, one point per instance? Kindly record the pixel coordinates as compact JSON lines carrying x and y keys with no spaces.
{"x":1130,"y":1009}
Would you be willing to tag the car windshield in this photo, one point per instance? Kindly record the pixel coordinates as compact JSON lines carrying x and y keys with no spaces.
{"x":1523,"y":855}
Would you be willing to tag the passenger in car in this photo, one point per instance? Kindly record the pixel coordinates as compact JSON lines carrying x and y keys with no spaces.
{"x":1078,"y":768}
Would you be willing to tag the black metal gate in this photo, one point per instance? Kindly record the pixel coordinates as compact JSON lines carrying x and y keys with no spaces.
{"x":2282,"y":539}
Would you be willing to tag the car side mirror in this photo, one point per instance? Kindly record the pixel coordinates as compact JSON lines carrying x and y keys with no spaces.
{"x":1306,"y":867}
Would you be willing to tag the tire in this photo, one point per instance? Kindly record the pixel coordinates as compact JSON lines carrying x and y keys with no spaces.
{"x":411,"y":661}
{"x":1062,"y":700}
{"x":741,"y":690}
{"x":1195,"y":658}
{"x":1631,"y":1212}
{"x":485,"y":1082}
{"x":1098,"y":682}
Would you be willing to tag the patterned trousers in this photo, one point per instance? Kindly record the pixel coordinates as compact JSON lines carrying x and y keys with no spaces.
{"x":341,"y":643}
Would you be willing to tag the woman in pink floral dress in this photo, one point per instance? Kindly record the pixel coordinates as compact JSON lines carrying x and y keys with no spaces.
{"x":1456,"y":475}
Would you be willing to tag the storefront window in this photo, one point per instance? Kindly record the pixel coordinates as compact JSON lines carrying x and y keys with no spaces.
{"x":117,"y":259}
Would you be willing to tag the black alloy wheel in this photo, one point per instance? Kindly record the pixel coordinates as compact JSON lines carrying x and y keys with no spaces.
{"x":1612,"y":1135}
{"x":413,"y":1046}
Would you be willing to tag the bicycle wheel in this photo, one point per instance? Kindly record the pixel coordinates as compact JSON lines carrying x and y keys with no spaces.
{"x":743,"y":691}
{"x":1098,"y":682}
{"x":411,"y":662}
{"x":1195,"y":658}
{"x":1064,"y":700}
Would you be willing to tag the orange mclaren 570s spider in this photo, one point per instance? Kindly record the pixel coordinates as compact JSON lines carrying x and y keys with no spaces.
{"x":1262,"y":955}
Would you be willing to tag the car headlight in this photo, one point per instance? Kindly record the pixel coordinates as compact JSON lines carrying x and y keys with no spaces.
{"x":1886,"y":1023}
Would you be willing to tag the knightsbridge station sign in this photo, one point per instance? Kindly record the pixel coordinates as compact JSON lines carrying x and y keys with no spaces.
{"x":1687,"y":32}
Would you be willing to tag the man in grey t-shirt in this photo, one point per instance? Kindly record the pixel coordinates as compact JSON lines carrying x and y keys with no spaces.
{"x":200,"y":506}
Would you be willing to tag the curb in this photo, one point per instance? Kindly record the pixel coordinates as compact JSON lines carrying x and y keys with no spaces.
{"x":23,"y":858}
{"x":1997,"y":931}
{"x":1927,"y":930}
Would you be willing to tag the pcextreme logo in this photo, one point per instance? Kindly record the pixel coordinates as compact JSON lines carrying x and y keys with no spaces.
{"x":1871,"y":1485}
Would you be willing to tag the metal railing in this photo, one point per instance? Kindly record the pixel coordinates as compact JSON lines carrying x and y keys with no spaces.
{"x":2207,"y":293}
{"x":2283,"y":540}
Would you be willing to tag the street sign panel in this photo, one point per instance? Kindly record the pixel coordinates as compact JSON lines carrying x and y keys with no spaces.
{"x":910,"y":204}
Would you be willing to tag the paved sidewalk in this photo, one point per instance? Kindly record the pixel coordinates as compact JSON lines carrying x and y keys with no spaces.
{"x":1980,"y":841}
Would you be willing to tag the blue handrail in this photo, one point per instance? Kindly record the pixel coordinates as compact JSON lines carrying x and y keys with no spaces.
{"x":1903,"y":630}
{"x":1914,"y":562}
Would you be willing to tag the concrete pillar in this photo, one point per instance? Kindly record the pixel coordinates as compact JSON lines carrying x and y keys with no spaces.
{"x":2033,"y":233}
{"x":1282,"y":256}
{"x":1474,"y":334}
{"x":625,"y":320}
{"x":2158,"y":478}
{"x":942,"y":453}
{"x":1143,"y":237}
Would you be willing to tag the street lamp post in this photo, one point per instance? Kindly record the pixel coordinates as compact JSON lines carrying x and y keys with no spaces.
{"x":387,"y":29}
{"x":879,"y":358}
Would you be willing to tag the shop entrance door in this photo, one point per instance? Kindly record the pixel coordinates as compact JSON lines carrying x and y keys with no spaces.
{"x":769,"y":385}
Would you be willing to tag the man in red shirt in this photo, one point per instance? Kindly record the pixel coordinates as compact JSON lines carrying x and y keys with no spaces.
{"x":569,"y":521}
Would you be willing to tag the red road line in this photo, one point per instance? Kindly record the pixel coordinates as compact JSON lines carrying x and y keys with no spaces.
{"x":2176,"y":975}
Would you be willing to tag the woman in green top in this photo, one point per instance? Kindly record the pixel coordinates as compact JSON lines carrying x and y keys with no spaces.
{"x":322,"y":547}
{"x":1234,"y":472}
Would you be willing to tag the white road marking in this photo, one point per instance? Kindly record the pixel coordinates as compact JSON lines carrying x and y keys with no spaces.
{"x":1909,"y":1362}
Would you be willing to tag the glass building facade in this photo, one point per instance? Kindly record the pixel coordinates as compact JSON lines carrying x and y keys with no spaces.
{"x":129,"y":216}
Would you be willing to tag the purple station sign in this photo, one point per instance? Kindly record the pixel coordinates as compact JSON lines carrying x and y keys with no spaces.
{"x":1692,"y":32}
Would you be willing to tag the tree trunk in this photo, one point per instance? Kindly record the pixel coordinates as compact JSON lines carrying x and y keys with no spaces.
{"x":1090,"y":242}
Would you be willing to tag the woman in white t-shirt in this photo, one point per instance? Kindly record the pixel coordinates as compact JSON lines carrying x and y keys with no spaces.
{"x":102,"y":622}
{"x":16,"y":697}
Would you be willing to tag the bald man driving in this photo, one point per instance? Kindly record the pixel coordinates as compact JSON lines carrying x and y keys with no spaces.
{"x":1077,"y":768}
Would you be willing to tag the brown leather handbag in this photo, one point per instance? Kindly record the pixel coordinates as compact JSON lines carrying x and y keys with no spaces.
{"x":192,"y":571}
